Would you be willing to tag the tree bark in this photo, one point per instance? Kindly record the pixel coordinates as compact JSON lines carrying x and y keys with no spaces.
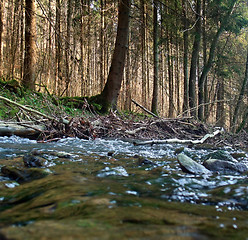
{"x":143,"y":50}
{"x":30,"y":36}
{"x":194,"y":60}
{"x":155,"y":59}
{"x":58,"y":49}
{"x":127,"y":103}
{"x":67,"y":46}
{"x":102,"y":43}
{"x":112,"y":87}
{"x":1,"y":34}
{"x":82,"y":48}
{"x":185,"y":58}
{"x":220,"y":111}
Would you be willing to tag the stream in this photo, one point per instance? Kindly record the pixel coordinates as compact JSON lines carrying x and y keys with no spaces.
{"x":111,"y":189}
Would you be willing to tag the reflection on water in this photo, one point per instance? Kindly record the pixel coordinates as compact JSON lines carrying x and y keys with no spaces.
{"x":114,"y":192}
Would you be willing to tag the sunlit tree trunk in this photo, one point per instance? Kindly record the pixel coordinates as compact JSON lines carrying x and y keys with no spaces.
{"x":154,"y":107}
{"x":82,"y":49}
{"x":49,"y":43}
{"x":67,"y":45}
{"x":9,"y":24}
{"x":58,"y":49}
{"x":30,"y":36}
{"x":21,"y":58}
{"x":88,"y":76}
{"x":170,"y":75}
{"x":14,"y":38}
{"x":1,"y":34}
{"x":102,"y":43}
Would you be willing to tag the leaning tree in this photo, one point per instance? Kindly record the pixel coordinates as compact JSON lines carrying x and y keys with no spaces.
{"x":109,"y":96}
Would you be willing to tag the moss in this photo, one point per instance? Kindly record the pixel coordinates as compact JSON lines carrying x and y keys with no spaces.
{"x":100,"y":104}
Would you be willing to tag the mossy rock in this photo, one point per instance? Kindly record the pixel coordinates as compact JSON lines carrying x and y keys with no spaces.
{"x":23,"y":175}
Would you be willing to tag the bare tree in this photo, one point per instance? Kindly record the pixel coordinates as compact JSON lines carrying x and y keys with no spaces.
{"x":194,"y":60}
{"x":30,"y":37}
{"x":108,"y":97}
{"x":155,"y":58}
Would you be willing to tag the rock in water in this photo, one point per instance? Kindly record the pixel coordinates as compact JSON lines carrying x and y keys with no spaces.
{"x":217,"y":165}
{"x":221,"y":155}
{"x":190,"y":166}
{"x":30,"y":160}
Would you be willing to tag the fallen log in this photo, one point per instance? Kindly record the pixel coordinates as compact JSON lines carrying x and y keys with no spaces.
{"x":176,"y":140}
{"x":9,"y":129}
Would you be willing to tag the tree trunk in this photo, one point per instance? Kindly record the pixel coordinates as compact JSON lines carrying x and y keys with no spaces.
{"x":220,"y":111}
{"x":112,"y":87}
{"x":241,"y":95}
{"x":82,"y":49}
{"x":143,"y":50}
{"x":204,"y":43}
{"x":67,"y":46}
{"x":1,"y":33}
{"x":194,"y":60}
{"x":102,"y":43}
{"x":170,"y":75}
{"x":209,"y":63}
{"x":58,"y":49}
{"x":14,"y":38}
{"x":89,"y":39}
{"x":22,"y":41}
{"x":155,"y":59}
{"x":127,"y":103}
{"x":30,"y":35}
{"x":185,"y":58}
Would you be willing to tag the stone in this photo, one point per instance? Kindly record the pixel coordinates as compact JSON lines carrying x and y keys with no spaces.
{"x":190,"y":166}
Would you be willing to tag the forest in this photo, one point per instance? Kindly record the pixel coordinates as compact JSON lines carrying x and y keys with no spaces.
{"x":175,"y":57}
{"x":123,"y":119}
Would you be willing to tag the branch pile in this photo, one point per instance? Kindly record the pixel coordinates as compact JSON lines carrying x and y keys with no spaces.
{"x":158,"y":130}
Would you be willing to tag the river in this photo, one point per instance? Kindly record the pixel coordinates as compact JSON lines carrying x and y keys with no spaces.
{"x":111,"y":189}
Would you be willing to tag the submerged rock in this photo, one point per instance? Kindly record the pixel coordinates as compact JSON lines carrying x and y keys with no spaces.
{"x":190,"y":166}
{"x":143,"y":161}
{"x":23,"y":175}
{"x":217,"y":165}
{"x":115,"y":171}
{"x":30,"y":160}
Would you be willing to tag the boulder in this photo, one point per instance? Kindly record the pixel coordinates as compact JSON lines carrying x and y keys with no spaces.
{"x":217,"y":165}
{"x":190,"y":166}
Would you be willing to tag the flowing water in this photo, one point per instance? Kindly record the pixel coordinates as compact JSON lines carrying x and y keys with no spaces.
{"x":98,"y":190}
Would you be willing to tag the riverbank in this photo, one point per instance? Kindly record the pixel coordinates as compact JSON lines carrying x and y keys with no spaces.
{"x":47,"y":118}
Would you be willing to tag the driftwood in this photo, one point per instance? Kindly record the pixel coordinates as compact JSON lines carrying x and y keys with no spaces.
{"x":176,"y":140}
